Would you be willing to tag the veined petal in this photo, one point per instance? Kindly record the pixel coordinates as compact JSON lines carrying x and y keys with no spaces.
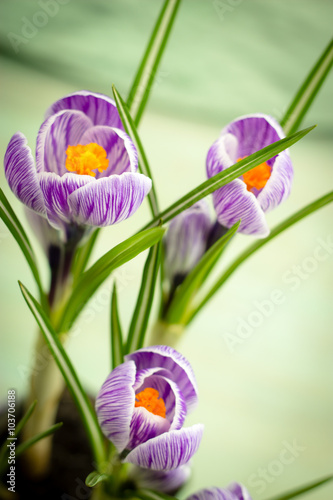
{"x":165,"y":357}
{"x":145,"y":373}
{"x":109,"y":200}
{"x":212,"y":494}
{"x":56,"y":191}
{"x":167,"y":451}
{"x":119,"y":148}
{"x":234,"y":491}
{"x":253,"y":132}
{"x":239,"y":491}
{"x":233,"y":202}
{"x":168,"y":390}
{"x":278,"y":186}
{"x":100,"y":108}
{"x":115,"y":404}
{"x":21,"y":175}
{"x":47,"y":235}
{"x":145,"y":425}
{"x":186,"y":239}
{"x":55,"y":135}
{"x":162,"y":481}
{"x":222,"y":154}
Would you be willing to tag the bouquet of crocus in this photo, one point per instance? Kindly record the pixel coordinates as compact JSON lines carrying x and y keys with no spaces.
{"x":91,"y":171}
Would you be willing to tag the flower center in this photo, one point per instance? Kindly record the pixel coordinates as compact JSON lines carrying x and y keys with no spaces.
{"x":83,"y":159}
{"x":150,"y":399}
{"x":257,"y":177}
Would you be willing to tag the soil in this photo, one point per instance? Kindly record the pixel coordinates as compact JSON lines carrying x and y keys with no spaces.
{"x":71,"y":461}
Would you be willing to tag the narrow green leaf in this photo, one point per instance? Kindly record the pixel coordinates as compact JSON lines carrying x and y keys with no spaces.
{"x":95,"y":477}
{"x":117,"y":354}
{"x":65,"y":366}
{"x":180,"y":305}
{"x":144,"y":494}
{"x":147,"y":71}
{"x":303,"y":489}
{"x":141,"y":313}
{"x":140,"y":90}
{"x":308,"y":91}
{"x":9,"y":217}
{"x":89,"y":281}
{"x":83,"y":254}
{"x":304,"y":212}
{"x":132,"y":132}
{"x":25,"y":418}
{"x":19,"y":427}
{"x":30,"y":442}
{"x":227,"y":176}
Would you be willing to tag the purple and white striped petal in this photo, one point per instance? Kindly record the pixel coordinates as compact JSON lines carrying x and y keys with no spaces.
{"x":145,"y":425}
{"x":21,"y":174}
{"x":162,"y":481}
{"x":115,"y":404}
{"x":168,"y":390}
{"x":119,"y":148}
{"x":56,"y":191}
{"x":142,"y":375}
{"x":212,"y":494}
{"x":167,"y":451}
{"x":234,"y":202}
{"x":98,"y":107}
{"x":234,"y":491}
{"x":165,"y":357}
{"x":186,"y":239}
{"x":279,"y":184}
{"x":46,"y":234}
{"x":253,"y":132}
{"x":55,"y":135}
{"x":240,"y":492}
{"x":109,"y":200}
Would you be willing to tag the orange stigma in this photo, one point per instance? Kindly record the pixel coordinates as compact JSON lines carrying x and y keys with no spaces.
{"x":150,"y":399}
{"x":84,"y":159}
{"x":257,"y":177}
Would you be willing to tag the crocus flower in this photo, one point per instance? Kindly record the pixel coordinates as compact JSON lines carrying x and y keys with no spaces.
{"x":142,"y":406}
{"x":168,"y":482}
{"x":261,"y":189}
{"x":86,"y":166}
{"x":186,"y":240}
{"x":234,"y":491}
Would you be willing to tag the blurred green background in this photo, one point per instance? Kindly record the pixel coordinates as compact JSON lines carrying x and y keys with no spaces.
{"x":224,"y":59}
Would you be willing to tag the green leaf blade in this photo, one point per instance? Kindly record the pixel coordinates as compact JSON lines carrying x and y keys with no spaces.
{"x":142,"y":84}
{"x":30,"y":442}
{"x":180,"y":305}
{"x":96,"y":274}
{"x":12,"y":222}
{"x":145,"y":299}
{"x":308,"y":91}
{"x":130,"y":128}
{"x":303,"y":489}
{"x":227,"y":176}
{"x":19,"y":427}
{"x":145,"y":494}
{"x":72,"y":381}
{"x":25,"y":418}
{"x":83,"y":254}
{"x":117,"y":354}
{"x":95,"y":477}
{"x":304,"y":212}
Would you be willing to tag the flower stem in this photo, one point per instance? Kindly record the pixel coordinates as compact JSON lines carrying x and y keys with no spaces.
{"x":46,"y":381}
{"x":166,"y":334}
{"x":46,"y":386}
